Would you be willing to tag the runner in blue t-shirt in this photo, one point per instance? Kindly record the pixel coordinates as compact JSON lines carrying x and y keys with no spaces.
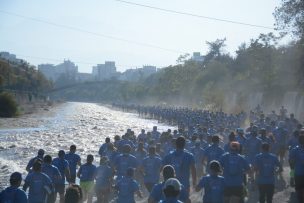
{"x":52,"y":172}
{"x":157,"y":194}
{"x":296,"y":161}
{"x":151,"y":167}
{"x":198,"y":154}
{"x":38,"y":157}
{"x":281,"y":137}
{"x":213,"y":184}
{"x":13,"y":194}
{"x":265,"y":165}
{"x":253,"y":145}
{"x":183,"y":163}
{"x":171,"y":191}
{"x":127,"y":187}
{"x":74,"y":160}
{"x":124,"y":161}
{"x":104,"y":179}
{"x":86,"y":174}
{"x":103,"y":147}
{"x":234,"y":167}
{"x":214,"y":151}
{"x":64,"y":169}
{"x":39,"y":184}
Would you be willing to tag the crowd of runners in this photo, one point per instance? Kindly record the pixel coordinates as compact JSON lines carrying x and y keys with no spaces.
{"x":209,"y":152}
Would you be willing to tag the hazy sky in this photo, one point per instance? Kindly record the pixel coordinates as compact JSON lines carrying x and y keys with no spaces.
{"x":30,"y":39}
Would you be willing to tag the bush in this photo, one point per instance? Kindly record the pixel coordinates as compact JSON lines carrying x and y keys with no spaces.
{"x":8,"y":105}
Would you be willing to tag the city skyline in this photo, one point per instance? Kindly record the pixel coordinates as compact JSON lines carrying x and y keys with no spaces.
{"x":39,"y":42}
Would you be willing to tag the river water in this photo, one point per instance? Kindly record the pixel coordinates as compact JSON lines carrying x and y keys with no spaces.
{"x":84,"y":124}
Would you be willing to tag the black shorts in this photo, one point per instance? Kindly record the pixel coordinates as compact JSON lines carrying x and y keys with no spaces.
{"x":73,"y":178}
{"x":299,"y":182}
{"x":237,"y":191}
{"x":60,"y":188}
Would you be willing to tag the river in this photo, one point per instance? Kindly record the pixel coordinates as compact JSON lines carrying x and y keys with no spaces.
{"x":84,"y":124}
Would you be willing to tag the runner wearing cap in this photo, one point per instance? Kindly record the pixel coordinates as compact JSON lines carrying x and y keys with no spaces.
{"x":157,"y":194}
{"x":171,"y":191}
{"x":13,"y":193}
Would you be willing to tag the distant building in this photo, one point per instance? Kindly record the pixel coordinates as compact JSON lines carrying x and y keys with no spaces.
{"x":104,"y":71}
{"x":197,"y":57}
{"x":138,"y":73}
{"x":83,"y":77}
{"x":10,"y":57}
{"x":53,"y":72}
{"x":149,"y":70}
{"x":48,"y":70}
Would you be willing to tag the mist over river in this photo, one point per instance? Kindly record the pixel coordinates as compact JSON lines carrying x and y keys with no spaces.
{"x":83,"y":124}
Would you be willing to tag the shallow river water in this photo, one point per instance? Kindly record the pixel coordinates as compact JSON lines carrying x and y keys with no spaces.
{"x":83,"y":124}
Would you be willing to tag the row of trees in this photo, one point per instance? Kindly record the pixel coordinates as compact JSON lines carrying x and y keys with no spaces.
{"x":21,"y":80}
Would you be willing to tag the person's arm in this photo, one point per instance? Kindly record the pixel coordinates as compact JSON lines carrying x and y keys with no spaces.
{"x":79,"y":161}
{"x":138,"y":192}
{"x":79,"y":172}
{"x":26,"y":185}
{"x":67,"y":173}
{"x":29,"y":165}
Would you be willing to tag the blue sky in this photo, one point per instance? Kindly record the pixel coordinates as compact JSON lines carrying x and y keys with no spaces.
{"x":44,"y":43}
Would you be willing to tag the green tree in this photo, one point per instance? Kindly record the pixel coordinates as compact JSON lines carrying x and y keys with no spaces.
{"x":290,"y":16}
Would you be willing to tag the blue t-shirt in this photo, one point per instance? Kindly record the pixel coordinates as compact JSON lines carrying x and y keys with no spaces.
{"x":102,"y":149}
{"x":123,"y":162}
{"x":281,"y":136}
{"x":198,"y":154}
{"x":104,"y":173}
{"x":13,"y":195}
{"x":297,"y":156}
{"x":73,"y":160}
{"x":151,"y":166}
{"x":52,"y":172}
{"x":62,"y":165}
{"x":266,"y":163}
{"x":87,"y":172}
{"x":213,"y":152}
{"x":214,"y":188}
{"x":140,"y":155}
{"x":234,"y":166}
{"x":31,"y":162}
{"x":126,"y":188}
{"x":158,"y":195}
{"x":181,"y":160}
{"x":37,"y":182}
{"x":252,"y":148}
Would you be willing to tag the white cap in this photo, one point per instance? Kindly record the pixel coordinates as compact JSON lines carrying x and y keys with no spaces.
{"x":174,"y":183}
